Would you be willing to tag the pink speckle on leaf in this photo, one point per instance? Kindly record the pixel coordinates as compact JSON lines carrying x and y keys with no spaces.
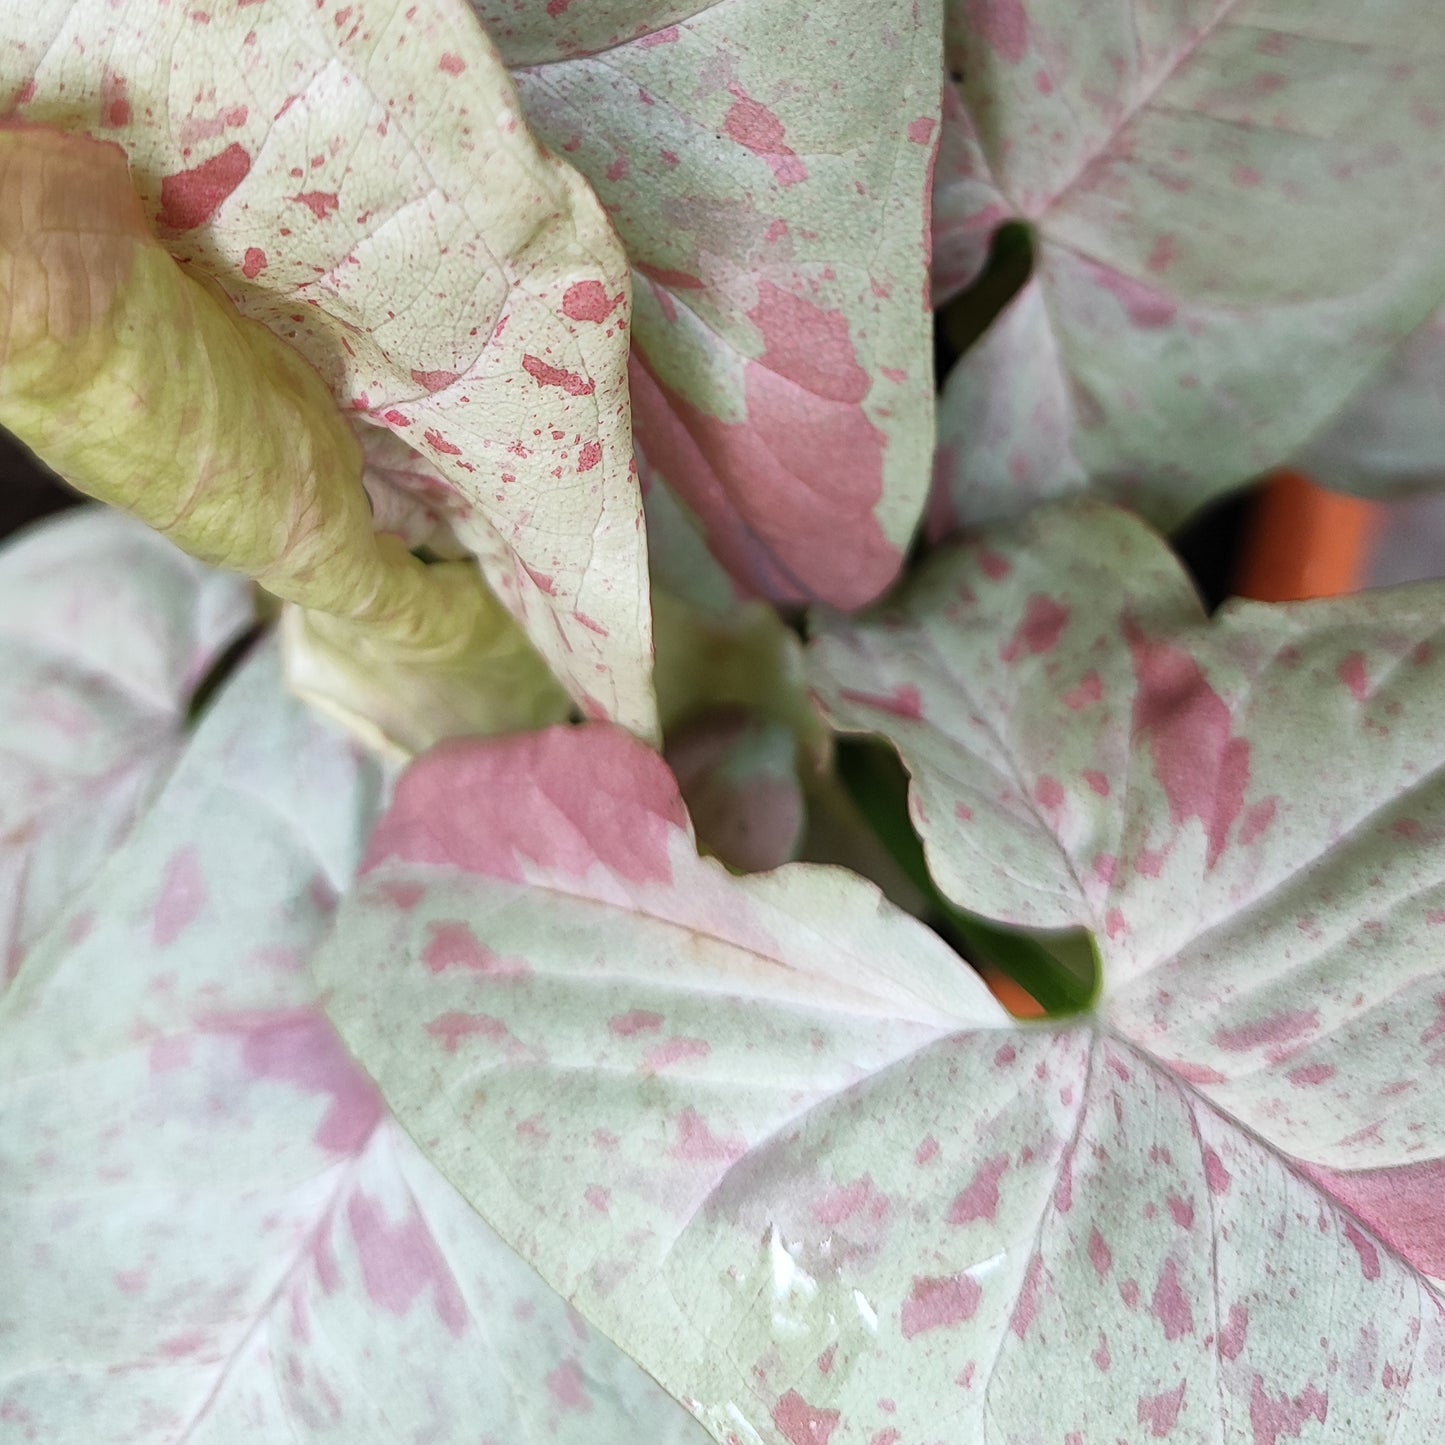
{"x":920,"y":131}
{"x":588,"y":456}
{"x":253,"y":263}
{"x":321,"y":204}
{"x":451,"y":64}
{"x":450,"y":1028}
{"x":800,"y":1424}
{"x":1215,"y":1174}
{"x":401,"y":1262}
{"x":1049,"y":792}
{"x":757,"y":129}
{"x":191,"y":197}
{"x":637,"y":1022}
{"x":1170,"y":1305}
{"x":1028,"y":1301}
{"x":114,"y":107}
{"x":981,"y":1198}
{"x":935,"y":1304}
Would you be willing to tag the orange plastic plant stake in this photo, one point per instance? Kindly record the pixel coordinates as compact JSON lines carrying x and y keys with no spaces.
{"x":1306,"y":542}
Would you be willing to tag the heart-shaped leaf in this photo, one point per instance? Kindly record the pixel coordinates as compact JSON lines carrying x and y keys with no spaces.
{"x":212,"y":1230}
{"x":779,"y":1146}
{"x":768,"y":170}
{"x":358,"y":178}
{"x":1238,"y":215}
{"x":105,"y":633}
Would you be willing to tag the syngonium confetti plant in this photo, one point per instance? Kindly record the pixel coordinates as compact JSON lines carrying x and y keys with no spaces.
{"x":396,"y":1046}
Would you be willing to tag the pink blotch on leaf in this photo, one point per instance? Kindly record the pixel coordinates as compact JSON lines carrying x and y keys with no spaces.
{"x":754,"y":127}
{"x":1181,"y":1211}
{"x":1272,"y":1419}
{"x":1090,"y":689}
{"x":451,"y":64}
{"x":1028,"y":1300}
{"x":935,"y":1304}
{"x":697,"y":1144}
{"x":253,"y":263}
{"x":454,"y":945}
{"x":303,"y":1050}
{"x":1215,"y":1174}
{"x":807,"y":345}
{"x":1049,"y":792}
{"x":1103,"y":1360}
{"x":1369,"y":1255}
{"x":800,"y":1424}
{"x":1043,"y":623}
{"x":1159,"y":1412}
{"x":114,"y":107}
{"x":588,"y":301}
{"x":1351,"y":672}
{"x":190,"y":198}
{"x":434,"y":380}
{"x":569,"y":381}
{"x":1281,"y":1028}
{"x":321,"y":204}
{"x":980,"y":1199}
{"x":927,"y":1150}
{"x":1097,"y":782}
{"x":1309,"y":1076}
{"x":904,"y":701}
{"x":674,"y":1051}
{"x":1170,"y":1305}
{"x":1232,"y":1336}
{"x":1003,"y":24}
{"x":564,"y":1385}
{"x":484,"y":805}
{"x":182,"y":899}
{"x":637,"y":1022}
{"x":1147,"y":309}
{"x":1100,"y":1255}
{"x":401,"y":1262}
{"x":786,"y":496}
{"x":920,"y":131}
{"x":860,"y":1196}
{"x":1257,"y":818}
{"x":669,"y":36}
{"x":1202,"y":768}
{"x":437,"y":442}
{"x":588,"y":455}
{"x":449,"y":1029}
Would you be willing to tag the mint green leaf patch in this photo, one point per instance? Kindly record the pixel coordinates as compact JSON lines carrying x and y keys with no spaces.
{"x":106,"y":631}
{"x":213,"y":1231}
{"x":325,"y":168}
{"x":767,"y":168}
{"x":775,"y":1113}
{"x":1238,"y":216}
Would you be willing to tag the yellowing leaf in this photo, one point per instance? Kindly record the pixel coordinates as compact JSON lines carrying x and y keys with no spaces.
{"x":358,"y":179}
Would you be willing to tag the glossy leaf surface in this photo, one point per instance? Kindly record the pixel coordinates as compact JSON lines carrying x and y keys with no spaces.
{"x":105,"y":633}
{"x":326,"y":168}
{"x":212,"y":1231}
{"x":1210,"y":1209}
{"x":767,"y":168}
{"x":1238,"y":211}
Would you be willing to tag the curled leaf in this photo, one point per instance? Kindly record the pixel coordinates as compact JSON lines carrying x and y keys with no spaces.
{"x":145,"y":389}
{"x":357,"y":178}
